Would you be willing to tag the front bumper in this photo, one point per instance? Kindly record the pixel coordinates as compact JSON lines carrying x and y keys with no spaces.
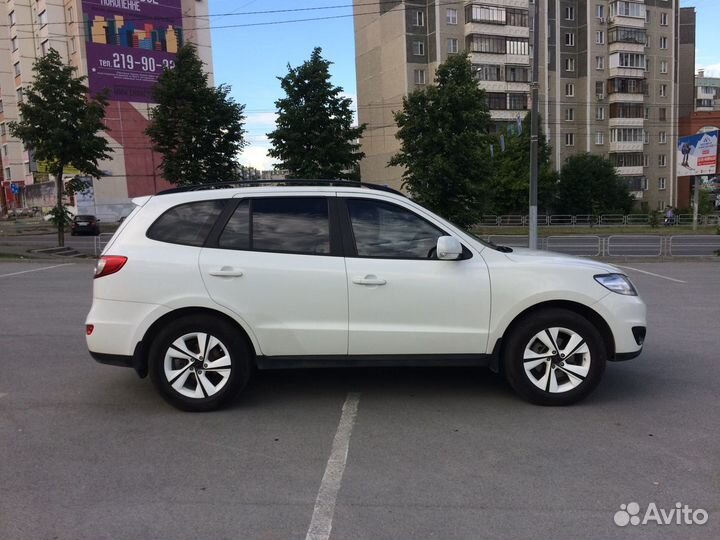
{"x":627,"y":318}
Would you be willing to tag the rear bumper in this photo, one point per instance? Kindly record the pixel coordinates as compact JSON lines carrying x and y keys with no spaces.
{"x":113,"y":359}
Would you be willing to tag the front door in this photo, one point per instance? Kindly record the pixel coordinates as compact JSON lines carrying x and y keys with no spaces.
{"x":402,"y":299}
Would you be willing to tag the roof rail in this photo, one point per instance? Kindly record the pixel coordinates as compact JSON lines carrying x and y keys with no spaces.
{"x":340,"y":182}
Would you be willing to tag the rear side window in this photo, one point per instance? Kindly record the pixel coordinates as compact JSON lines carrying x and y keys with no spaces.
{"x":281,"y":225}
{"x":187,"y":224}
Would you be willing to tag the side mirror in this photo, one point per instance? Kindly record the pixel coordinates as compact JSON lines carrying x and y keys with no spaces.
{"x":449,"y":248}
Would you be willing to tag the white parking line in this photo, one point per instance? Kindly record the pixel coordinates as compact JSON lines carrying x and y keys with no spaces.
{"x":35,"y":270}
{"x":321,"y":523}
{"x":652,"y":274}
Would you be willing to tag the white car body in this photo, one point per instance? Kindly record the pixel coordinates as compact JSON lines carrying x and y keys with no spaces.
{"x":320,"y":310}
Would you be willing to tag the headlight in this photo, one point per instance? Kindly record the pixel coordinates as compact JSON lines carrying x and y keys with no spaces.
{"x":617,"y":283}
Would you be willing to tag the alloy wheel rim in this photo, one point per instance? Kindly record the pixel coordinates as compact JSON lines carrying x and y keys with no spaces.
{"x":557,"y":360}
{"x":197,"y":365}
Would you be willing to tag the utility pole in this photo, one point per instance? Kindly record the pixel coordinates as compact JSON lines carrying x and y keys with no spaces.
{"x":534,"y":129}
{"x":696,"y":201}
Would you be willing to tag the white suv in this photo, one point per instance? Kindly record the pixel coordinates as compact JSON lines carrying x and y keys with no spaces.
{"x":199,"y":285}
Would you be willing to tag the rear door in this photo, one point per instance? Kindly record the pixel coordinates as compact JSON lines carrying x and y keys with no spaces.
{"x":277,"y":264}
{"x":402,"y":299}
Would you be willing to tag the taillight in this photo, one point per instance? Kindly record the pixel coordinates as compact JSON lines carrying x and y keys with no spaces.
{"x":109,"y":264}
{"x":89,"y":328}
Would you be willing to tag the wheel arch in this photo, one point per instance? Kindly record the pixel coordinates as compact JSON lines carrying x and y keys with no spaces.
{"x":140,"y":356}
{"x":582,"y":310}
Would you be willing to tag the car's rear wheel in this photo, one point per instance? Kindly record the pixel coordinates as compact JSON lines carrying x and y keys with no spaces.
{"x":199,"y":363}
{"x":554,"y":357}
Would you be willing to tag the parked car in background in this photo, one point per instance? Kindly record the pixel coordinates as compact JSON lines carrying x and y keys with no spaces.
{"x":85,"y":224}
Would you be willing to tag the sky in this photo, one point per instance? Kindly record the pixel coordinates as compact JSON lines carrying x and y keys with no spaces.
{"x":250,"y":50}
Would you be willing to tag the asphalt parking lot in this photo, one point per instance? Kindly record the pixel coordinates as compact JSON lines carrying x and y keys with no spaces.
{"x":92,"y":452}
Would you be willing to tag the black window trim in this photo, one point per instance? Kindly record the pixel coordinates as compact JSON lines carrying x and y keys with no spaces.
{"x":213,"y":240}
{"x":349,"y":237}
{"x":226,"y":203}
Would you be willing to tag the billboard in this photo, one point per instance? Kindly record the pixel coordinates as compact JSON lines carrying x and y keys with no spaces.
{"x":129,"y":43}
{"x":697,"y":154}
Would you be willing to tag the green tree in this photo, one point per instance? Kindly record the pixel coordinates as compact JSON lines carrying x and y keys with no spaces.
{"x":445,"y":143}
{"x":510,"y":183}
{"x":589,"y":185}
{"x":197,"y":128}
{"x":62,"y":123}
{"x":315,"y":135}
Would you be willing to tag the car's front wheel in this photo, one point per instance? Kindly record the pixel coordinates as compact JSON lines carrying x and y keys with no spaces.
{"x":199,"y":363}
{"x":554,"y":357}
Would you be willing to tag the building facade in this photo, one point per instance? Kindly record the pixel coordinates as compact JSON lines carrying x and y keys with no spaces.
{"x":608,"y":76}
{"x":119,"y":46}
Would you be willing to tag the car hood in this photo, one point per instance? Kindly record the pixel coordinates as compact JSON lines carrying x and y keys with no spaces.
{"x":534,"y":256}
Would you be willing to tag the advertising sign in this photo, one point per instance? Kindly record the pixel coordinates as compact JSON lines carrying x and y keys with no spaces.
{"x":129,"y":43}
{"x":697,"y":154}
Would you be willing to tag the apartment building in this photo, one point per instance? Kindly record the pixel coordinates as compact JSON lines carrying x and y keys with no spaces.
{"x":119,"y":46}
{"x":707,"y":93}
{"x":608,"y":76}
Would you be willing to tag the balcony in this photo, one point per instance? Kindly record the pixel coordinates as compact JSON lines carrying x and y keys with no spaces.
{"x":633,"y":146}
{"x":629,"y":171}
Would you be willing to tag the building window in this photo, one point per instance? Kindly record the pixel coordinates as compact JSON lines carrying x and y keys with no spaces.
{"x":419,"y":18}
{"x":71,"y":19}
{"x":16,"y":68}
{"x":600,"y":113}
{"x":487,"y":44}
{"x":14,"y":43}
{"x":569,"y":115}
{"x":19,"y":95}
{"x":662,"y":160}
{"x":661,"y":183}
{"x":5,"y":150}
{"x":627,"y":35}
{"x":600,"y":37}
{"x":627,"y":110}
{"x":451,"y":15}
{"x":599,"y":89}
{"x":646,"y":160}
{"x":488,"y":72}
{"x":517,"y":102}
{"x":569,"y":139}
{"x":647,"y":113}
{"x":517,"y":17}
{"x":569,"y":64}
{"x":663,"y":42}
{"x":663,"y":19}
{"x":646,"y":136}
{"x":452,"y":45}
{"x":599,"y":138}
{"x":517,"y":74}
{"x":570,"y":90}
{"x":419,"y":48}
{"x":44,"y":47}
{"x":42,"y":18}
{"x":629,"y":60}
{"x":599,"y":11}
{"x":599,"y":62}
{"x":662,"y":114}
{"x":419,"y":76}
{"x":2,"y":129}
{"x":626,"y":135}
{"x":497,"y":101}
{"x":517,"y":46}
{"x":624,"y":8}
{"x":662,"y":137}
{"x":73,"y":45}
{"x":11,"y":18}
{"x":8,"y":176}
{"x":663,"y":66}
{"x":570,"y":39}
{"x":569,"y":13}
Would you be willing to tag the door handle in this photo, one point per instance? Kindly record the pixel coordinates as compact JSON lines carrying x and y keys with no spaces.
{"x":226,"y":271}
{"x":369,"y":280}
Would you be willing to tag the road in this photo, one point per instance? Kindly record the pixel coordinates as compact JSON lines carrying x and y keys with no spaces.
{"x":90,"y":452}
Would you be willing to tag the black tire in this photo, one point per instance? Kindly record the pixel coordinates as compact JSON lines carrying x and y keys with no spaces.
{"x":520,"y":335}
{"x":232,"y":340}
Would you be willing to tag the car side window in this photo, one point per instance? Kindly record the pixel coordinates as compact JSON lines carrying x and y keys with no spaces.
{"x":187,"y":224}
{"x":279,"y":224}
{"x":386,"y":230}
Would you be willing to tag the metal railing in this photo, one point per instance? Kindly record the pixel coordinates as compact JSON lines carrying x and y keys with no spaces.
{"x":604,"y":220}
{"x":626,"y":245}
{"x":100,"y":242}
